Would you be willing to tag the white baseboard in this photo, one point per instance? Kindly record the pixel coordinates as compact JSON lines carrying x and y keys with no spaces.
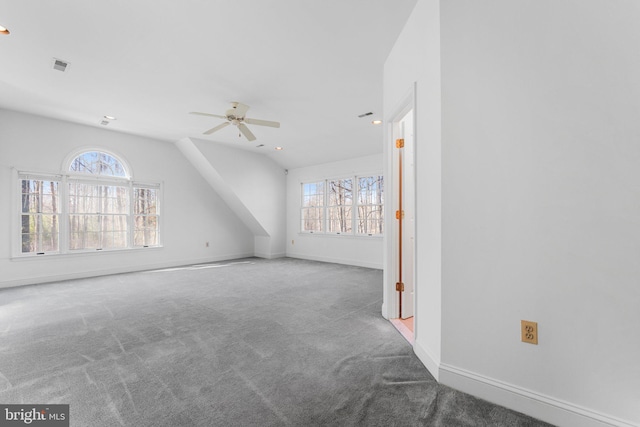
{"x":116,"y":270}
{"x":427,"y":359}
{"x":270,"y":256}
{"x":537,"y":405}
{"x":384,"y":311}
{"x":354,"y":262}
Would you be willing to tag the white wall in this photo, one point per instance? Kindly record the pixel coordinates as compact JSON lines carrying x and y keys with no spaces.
{"x":260,"y":184}
{"x":364,"y":251}
{"x":192,"y":213}
{"x":541,"y":205}
{"x":415,"y":58}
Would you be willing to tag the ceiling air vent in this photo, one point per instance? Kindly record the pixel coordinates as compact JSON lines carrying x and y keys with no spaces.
{"x":365,"y":114}
{"x":60,"y":65}
{"x":104,"y":122}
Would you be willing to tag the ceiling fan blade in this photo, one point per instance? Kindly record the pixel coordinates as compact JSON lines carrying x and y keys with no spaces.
{"x":241,"y":109}
{"x":262,"y":123}
{"x":208,"y":115}
{"x":217,"y":128}
{"x":246,"y":132}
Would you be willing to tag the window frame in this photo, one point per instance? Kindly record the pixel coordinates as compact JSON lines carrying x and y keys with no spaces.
{"x":345,"y":207}
{"x":359,"y":205}
{"x":64,"y":178}
{"x":18,"y":213}
{"x":354,"y":206}
{"x":321,"y":207}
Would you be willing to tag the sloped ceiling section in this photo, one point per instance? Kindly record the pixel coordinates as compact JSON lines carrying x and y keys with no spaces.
{"x":250,"y":184}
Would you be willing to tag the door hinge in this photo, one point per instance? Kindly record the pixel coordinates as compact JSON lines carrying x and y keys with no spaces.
{"x":400,"y":286}
{"x":399,"y":214}
{"x":400,"y":143}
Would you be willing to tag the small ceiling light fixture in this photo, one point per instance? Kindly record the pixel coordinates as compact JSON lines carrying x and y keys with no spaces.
{"x":376,"y":122}
{"x":4,"y":31}
{"x":110,"y":118}
{"x":279,"y":148}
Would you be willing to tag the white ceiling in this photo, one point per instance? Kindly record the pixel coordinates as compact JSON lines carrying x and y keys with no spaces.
{"x":313,"y":65}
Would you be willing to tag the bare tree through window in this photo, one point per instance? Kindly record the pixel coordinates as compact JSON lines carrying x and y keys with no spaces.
{"x":370,"y":205}
{"x":351,"y":205}
{"x":39,"y":215}
{"x":340,"y":207}
{"x":312,"y":212}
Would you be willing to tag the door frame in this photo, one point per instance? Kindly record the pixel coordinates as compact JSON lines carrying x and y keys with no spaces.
{"x":390,"y":305}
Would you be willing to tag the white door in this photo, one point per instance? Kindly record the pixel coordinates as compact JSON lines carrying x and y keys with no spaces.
{"x":408,"y":223}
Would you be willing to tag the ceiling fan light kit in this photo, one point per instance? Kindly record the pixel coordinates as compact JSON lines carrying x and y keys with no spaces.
{"x":236,"y":116}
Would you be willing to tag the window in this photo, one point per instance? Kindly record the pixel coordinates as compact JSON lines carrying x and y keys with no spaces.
{"x":98,"y":163}
{"x":370,"y":205}
{"x":39,"y":214}
{"x":339,"y":211}
{"x":94,"y":206}
{"x":146,"y":216}
{"x":313,"y":207}
{"x":343,"y":209}
{"x":98,"y":215}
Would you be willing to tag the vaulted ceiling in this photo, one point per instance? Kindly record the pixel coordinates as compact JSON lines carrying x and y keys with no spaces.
{"x":313,"y":65}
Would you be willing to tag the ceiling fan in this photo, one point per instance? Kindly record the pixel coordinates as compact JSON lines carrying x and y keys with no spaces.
{"x":236,"y":116}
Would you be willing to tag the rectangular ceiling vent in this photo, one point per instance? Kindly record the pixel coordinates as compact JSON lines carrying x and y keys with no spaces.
{"x":104,"y":122}
{"x":60,"y":65}
{"x":365,"y":114}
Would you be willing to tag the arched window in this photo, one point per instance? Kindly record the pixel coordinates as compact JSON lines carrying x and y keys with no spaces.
{"x":98,"y":163}
{"x":104,"y":208}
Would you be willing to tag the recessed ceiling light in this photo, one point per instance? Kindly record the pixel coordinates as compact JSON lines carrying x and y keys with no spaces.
{"x":4,"y":31}
{"x":376,"y":122}
{"x":109,"y":117}
{"x":278,"y":148}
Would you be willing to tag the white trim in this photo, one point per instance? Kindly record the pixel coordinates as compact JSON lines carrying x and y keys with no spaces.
{"x":270,"y":256}
{"x":63,"y":179}
{"x":66,"y":163}
{"x":80,"y":252}
{"x":428,"y":360}
{"x":118,"y":270}
{"x":341,"y":236}
{"x":355,"y":189}
{"x":356,"y":263}
{"x":16,"y":213}
{"x":540,"y":406}
{"x":390,"y":296}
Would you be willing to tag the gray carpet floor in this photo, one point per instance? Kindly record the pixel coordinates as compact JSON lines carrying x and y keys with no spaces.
{"x":244,"y":343}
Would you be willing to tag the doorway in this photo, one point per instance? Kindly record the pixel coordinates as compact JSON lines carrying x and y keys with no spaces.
{"x":403,"y":170}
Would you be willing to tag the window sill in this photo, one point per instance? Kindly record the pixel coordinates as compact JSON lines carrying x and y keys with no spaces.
{"x":76,"y":254}
{"x":342,"y":236}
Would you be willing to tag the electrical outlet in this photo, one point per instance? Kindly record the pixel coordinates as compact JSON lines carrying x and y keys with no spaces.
{"x":529,"y":332}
